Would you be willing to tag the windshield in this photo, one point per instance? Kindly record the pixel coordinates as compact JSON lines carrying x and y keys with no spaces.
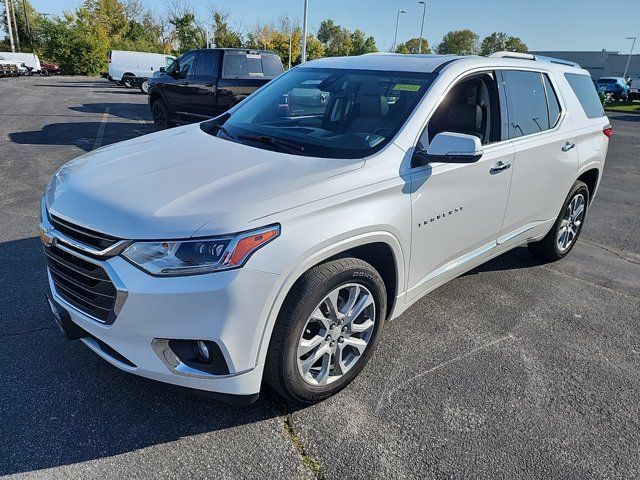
{"x":331,"y":113}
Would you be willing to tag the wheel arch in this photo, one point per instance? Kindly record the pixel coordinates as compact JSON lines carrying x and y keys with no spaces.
{"x":380,"y":249}
{"x":590,"y":176}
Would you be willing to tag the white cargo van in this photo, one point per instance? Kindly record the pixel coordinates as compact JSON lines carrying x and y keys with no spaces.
{"x":125,"y":66}
{"x":30,"y":60}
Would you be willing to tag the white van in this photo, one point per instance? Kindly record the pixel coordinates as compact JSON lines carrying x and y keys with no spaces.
{"x":125,"y":66}
{"x":30,"y":60}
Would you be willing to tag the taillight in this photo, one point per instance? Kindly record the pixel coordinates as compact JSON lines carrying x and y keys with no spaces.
{"x":608,"y":131}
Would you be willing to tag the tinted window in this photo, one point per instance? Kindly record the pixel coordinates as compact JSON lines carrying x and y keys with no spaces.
{"x":185,"y":64}
{"x":607,"y":81}
{"x":582,"y":86}
{"x":330,"y":113}
{"x":251,"y":65}
{"x":552,"y":102}
{"x":526,"y":103}
{"x":207,"y":64}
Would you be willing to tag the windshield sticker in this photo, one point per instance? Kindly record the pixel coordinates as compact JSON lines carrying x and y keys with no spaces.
{"x":406,"y":87}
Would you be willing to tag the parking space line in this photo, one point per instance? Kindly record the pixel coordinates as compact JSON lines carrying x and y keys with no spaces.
{"x":103,"y":124}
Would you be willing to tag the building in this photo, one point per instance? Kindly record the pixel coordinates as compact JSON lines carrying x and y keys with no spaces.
{"x":600,"y":64}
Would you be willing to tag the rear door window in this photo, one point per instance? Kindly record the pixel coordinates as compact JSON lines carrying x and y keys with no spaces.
{"x":552,"y":102}
{"x":582,"y":86}
{"x":207,"y":65}
{"x":526,"y":103}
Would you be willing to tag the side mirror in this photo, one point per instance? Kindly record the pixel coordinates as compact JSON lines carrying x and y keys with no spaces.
{"x":163,"y":69}
{"x":449,"y":147}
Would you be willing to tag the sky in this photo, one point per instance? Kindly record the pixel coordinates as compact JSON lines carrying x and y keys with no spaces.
{"x":541,"y":24}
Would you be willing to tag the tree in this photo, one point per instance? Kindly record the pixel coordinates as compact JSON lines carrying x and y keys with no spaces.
{"x":21,"y":25}
{"x":315,"y":49}
{"x":224,"y":36}
{"x":361,"y":44}
{"x":459,"y":42}
{"x":335,"y":39}
{"x":413,"y":46}
{"x":500,"y":41}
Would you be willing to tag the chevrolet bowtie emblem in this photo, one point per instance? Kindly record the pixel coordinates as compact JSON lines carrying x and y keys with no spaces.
{"x":46,"y":236}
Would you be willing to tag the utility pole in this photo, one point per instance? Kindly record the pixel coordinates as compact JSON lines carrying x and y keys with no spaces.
{"x":15,"y":25}
{"x":9,"y":29}
{"x":424,"y":12}
{"x":290,"y":35}
{"x":304,"y":33}
{"x":624,"y":75}
{"x":26,"y":21}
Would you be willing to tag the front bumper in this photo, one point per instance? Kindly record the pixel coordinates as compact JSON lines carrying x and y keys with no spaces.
{"x":229,"y":308}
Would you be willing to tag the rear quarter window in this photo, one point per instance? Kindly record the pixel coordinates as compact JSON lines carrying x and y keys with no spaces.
{"x":582,"y":86}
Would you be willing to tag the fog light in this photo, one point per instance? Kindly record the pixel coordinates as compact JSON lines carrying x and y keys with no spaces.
{"x":203,"y":351}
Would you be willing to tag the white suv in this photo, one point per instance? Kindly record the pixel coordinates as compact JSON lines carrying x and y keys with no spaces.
{"x":274,"y":241}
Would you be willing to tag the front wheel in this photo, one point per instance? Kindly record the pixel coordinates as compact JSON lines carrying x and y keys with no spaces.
{"x":326,"y":331}
{"x":566,"y":230}
{"x":144,"y":87}
{"x":44,"y":73}
{"x":161,"y":116}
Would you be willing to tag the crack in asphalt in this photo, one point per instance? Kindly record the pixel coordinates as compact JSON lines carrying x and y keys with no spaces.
{"x":310,"y":463}
{"x":589,"y":282}
{"x":621,"y":255}
{"x":28,"y":332}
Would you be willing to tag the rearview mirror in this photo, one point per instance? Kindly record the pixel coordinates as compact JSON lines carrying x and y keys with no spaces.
{"x":449,"y":147}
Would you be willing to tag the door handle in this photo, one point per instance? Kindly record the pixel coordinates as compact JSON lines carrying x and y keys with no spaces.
{"x":499,"y":167}
{"x":568,"y":146}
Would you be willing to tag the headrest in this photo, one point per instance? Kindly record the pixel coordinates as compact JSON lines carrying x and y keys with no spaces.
{"x":373,"y":105}
{"x":465,"y":117}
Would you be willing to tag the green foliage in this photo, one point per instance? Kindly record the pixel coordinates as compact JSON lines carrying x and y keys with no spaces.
{"x":186,"y":33}
{"x":413,"y":46}
{"x":335,"y":39}
{"x":500,"y":41}
{"x":361,"y":44}
{"x":459,"y":42}
{"x":224,"y":36}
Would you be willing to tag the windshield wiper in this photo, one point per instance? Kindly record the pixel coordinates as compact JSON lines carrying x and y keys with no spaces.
{"x":276,"y":142}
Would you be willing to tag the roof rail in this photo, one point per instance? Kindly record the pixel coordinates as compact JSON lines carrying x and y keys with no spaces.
{"x":530,"y":56}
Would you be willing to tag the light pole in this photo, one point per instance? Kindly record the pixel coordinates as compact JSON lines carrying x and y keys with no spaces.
{"x":9,"y":29}
{"x":395,"y":37}
{"x":424,"y":12}
{"x":304,"y":33}
{"x":624,"y":75}
{"x":290,"y":35}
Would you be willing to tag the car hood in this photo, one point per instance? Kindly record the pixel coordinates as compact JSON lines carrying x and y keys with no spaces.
{"x":168,"y":184}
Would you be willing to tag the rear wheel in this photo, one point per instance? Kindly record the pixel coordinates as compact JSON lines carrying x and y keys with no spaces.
{"x":161,"y":116}
{"x":326,"y":331}
{"x":566,"y":230}
{"x":127,"y":80}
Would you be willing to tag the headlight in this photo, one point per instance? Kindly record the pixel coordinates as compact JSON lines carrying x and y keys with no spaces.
{"x":189,"y":257}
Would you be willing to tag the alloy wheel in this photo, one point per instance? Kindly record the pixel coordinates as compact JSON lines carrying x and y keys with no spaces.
{"x":336,"y":334}
{"x":571,"y":222}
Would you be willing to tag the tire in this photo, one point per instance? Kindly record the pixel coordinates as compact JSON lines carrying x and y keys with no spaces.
{"x":44,"y":73}
{"x":118,"y":83}
{"x":161,"y":115}
{"x":144,"y":87}
{"x":549,"y":248}
{"x":127,"y":80}
{"x":353,"y":280}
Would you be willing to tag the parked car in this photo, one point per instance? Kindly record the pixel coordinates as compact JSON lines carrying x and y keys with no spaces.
{"x":125,"y":67}
{"x":49,"y":69}
{"x":8,"y":69}
{"x":271,"y":243}
{"x":30,"y":60}
{"x":20,"y":66}
{"x":616,"y":86}
{"x":634,"y":89}
{"x":204,"y":83}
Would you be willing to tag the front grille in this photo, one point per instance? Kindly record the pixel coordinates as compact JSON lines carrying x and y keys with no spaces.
{"x":83,"y":235}
{"x":83,"y":284}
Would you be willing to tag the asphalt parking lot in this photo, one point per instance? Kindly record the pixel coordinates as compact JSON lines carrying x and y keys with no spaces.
{"x":516,"y":370}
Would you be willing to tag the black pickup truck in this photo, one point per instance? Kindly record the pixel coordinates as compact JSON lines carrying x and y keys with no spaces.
{"x":205,"y":83}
